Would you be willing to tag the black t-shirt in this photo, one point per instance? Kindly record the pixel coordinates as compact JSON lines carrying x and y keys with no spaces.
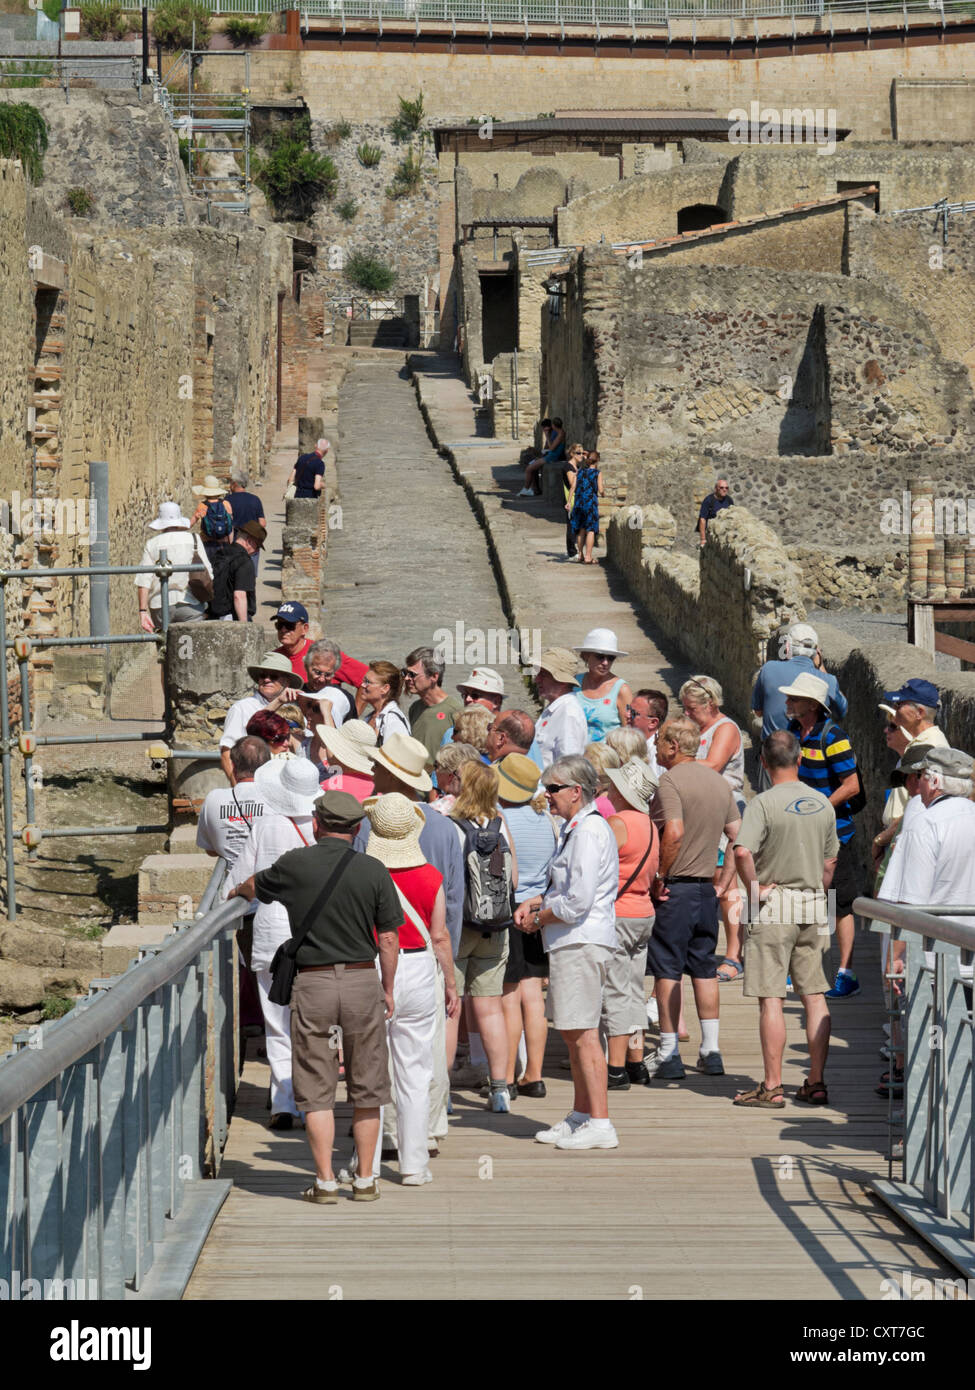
{"x":363,"y":902}
{"x":307,"y":469}
{"x":246,"y":506}
{"x":233,"y":570}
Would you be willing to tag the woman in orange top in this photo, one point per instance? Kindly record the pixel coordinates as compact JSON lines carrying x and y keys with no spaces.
{"x":624,"y":1006}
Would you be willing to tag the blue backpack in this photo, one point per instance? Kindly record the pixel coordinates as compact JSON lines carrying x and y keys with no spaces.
{"x":217,"y":522}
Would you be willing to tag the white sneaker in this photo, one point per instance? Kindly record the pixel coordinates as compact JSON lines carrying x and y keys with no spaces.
{"x":416,"y":1179}
{"x":525,"y":492}
{"x":653,"y":1011}
{"x":587,"y":1136}
{"x":560,"y":1131}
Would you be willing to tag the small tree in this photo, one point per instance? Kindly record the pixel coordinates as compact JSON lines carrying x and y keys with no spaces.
{"x":104,"y":21}
{"x":245,"y":33}
{"x":409,"y":119}
{"x":370,"y":273}
{"x":173,"y":21}
{"x":294,"y":177}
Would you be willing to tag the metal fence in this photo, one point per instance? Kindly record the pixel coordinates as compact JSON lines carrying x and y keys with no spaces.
{"x":588,"y":12}
{"x":121,"y":73}
{"x":936,"y":1194}
{"x":111,"y":1116}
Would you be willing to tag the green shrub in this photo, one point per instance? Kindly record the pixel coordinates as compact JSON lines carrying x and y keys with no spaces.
{"x":173,"y":20}
{"x":368,"y":155}
{"x":410,"y":117}
{"x":407,"y":176}
{"x":294,"y":177}
{"x":55,"y":1006}
{"x":23,"y":136}
{"x":52,"y":8}
{"x":105,"y":21}
{"x":369,"y":272}
{"x":347,"y":209}
{"x":343,"y":129}
{"x":245,"y":33}
{"x":25,"y":72}
{"x":81,"y":201}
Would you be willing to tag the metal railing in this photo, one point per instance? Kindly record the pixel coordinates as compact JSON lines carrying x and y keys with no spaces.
{"x":937,"y":1192}
{"x":119,"y":73}
{"x":627,"y":13}
{"x":111,"y":1116}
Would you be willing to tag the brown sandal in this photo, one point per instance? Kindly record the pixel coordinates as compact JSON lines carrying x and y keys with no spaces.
{"x":813,"y":1093}
{"x":762,"y":1098}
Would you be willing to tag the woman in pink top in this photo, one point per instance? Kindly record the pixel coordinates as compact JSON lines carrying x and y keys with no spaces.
{"x":624,"y":1005}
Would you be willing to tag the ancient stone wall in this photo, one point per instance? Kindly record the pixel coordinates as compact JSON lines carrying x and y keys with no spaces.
{"x":641,"y":208}
{"x":813,"y":239}
{"x":720,"y":607}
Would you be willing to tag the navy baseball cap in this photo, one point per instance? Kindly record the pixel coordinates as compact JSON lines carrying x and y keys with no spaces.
{"x":292,"y":613}
{"x":915,"y":692}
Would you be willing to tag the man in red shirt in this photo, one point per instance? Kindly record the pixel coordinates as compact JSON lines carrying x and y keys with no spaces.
{"x":291,"y":621}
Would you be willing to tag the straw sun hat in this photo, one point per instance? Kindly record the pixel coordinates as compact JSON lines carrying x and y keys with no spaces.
{"x":349,"y":753}
{"x":396,"y":824}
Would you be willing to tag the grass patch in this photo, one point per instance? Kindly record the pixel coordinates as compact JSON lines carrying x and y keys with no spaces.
{"x":81,"y":201}
{"x":368,"y":155}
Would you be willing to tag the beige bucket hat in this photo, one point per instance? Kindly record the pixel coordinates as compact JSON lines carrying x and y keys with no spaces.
{"x":806,"y":686}
{"x":396,"y":824}
{"x":560,"y":663}
{"x":406,"y":759}
{"x":280,"y":665}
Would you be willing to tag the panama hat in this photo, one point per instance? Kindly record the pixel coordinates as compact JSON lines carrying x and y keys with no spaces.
{"x":406,"y":759}
{"x":396,"y":824}
{"x":289,"y":786}
{"x":363,"y":735}
{"x":634,"y":782}
{"x":484,"y":681}
{"x":560,"y":663}
{"x":279,"y":665}
{"x":342,"y":748}
{"x":806,"y":686}
{"x":210,"y":487}
{"x":601,"y":641}
{"x":517,"y":778}
{"x":170,"y":514}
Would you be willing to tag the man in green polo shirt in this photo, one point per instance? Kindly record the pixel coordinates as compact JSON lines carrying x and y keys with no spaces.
{"x":338,"y":999}
{"x":432,"y":713}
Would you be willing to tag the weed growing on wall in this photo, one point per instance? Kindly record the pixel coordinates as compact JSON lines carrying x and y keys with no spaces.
{"x":81,"y":201}
{"x":370,"y":272}
{"x":347,"y":209}
{"x":173,"y":23}
{"x":23,"y":136}
{"x":368,"y":155}
{"x":409,"y":119}
{"x":407,"y":176}
{"x":104,"y":21}
{"x":245,"y":33}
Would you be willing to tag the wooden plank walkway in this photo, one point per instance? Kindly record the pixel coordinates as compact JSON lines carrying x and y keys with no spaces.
{"x":701,"y":1200}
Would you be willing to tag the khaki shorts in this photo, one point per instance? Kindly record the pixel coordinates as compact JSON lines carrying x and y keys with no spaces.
{"x":480,"y":963}
{"x":329,"y":1008}
{"x":576,"y":976}
{"x":624,"y":996}
{"x":774,"y":950}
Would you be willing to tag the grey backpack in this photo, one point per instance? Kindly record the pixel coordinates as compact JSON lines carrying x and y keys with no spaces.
{"x":489,"y":894}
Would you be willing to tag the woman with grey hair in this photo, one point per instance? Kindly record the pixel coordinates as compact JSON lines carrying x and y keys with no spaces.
{"x":577,"y":918}
{"x":628,"y":743}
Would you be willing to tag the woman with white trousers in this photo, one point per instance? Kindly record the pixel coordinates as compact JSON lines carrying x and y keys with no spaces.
{"x":288,"y":789}
{"x":424,"y":945}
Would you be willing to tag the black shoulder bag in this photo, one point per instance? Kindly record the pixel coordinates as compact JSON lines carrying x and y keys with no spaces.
{"x":284,"y":966}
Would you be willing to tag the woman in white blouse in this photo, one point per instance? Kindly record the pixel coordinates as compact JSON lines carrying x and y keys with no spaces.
{"x":380,"y":687}
{"x":288,"y":789}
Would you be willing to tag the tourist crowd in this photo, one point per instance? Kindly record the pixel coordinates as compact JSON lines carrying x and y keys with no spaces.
{"x":426,"y":866}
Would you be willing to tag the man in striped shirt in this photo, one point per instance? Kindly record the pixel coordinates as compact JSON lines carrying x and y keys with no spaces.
{"x":828,"y":763}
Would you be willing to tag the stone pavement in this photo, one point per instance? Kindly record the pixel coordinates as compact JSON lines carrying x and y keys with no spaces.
{"x":543,"y":589}
{"x":409,"y":559}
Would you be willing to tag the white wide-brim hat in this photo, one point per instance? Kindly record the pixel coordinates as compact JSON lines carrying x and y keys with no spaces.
{"x":396,"y":824}
{"x":406,"y":759}
{"x":601,"y":641}
{"x":484,"y":681}
{"x":806,"y":686}
{"x":363,"y":735}
{"x":170,"y":514}
{"x":634,"y":782}
{"x":348,"y":753}
{"x":211,"y":487}
{"x":289,"y":786}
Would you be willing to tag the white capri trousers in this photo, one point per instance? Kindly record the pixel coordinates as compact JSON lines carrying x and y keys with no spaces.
{"x":277,"y":1033}
{"x":624,"y":1002}
{"x":411,"y":1033}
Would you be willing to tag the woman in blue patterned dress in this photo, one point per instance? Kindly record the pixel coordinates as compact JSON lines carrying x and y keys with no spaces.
{"x":583,"y":505}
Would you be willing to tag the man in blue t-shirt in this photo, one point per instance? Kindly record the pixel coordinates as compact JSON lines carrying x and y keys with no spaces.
{"x":829,"y":764}
{"x":308,"y":474}
{"x":246,"y":506}
{"x":715,"y":502}
{"x":795,"y":653}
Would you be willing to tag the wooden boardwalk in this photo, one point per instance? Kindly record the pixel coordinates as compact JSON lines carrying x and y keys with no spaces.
{"x":701,"y":1200}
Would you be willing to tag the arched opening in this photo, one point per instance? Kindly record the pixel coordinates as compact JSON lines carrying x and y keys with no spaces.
{"x":697,"y":216}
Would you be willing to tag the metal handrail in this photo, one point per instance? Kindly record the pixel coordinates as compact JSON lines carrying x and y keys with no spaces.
{"x":110,"y":1115}
{"x":591,"y":13}
{"x":936,"y":1194}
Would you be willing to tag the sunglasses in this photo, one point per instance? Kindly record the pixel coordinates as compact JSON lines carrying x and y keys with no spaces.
{"x":268,"y":680}
{"x":559,"y":787}
{"x":891,"y":729}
